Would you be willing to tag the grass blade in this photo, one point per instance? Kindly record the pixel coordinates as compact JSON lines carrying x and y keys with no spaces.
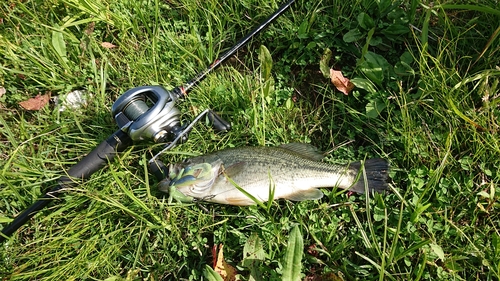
{"x":469,"y":7}
{"x":293,"y":256}
{"x":211,"y":275}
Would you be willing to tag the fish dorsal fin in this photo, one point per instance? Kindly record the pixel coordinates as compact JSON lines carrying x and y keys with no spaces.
{"x":304,"y":149}
{"x":302,"y":195}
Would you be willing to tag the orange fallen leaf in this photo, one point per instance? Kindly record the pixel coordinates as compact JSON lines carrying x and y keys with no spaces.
{"x":108,"y":45}
{"x":225,"y":270}
{"x":35,"y":103}
{"x":340,"y":82}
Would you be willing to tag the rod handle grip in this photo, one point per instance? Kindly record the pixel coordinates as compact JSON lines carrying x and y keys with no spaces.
{"x":91,"y":163}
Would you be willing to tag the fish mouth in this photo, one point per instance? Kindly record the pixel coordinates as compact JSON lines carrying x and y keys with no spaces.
{"x":164,"y":184}
{"x":194,"y":179}
{"x":173,"y":171}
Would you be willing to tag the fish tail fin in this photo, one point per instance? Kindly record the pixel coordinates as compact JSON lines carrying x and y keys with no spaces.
{"x":377,"y":172}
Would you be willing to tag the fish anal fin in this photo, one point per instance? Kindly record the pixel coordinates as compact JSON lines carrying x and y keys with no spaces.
{"x":302,"y":195}
{"x":304,"y":149}
{"x":238,"y":201}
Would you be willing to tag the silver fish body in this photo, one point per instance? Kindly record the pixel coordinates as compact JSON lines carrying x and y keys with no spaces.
{"x":291,"y":171}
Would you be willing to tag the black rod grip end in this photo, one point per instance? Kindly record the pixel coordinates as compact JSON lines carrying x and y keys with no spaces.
{"x":158,"y":169}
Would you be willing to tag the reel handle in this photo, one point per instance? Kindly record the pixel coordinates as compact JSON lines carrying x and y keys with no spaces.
{"x":219,"y":124}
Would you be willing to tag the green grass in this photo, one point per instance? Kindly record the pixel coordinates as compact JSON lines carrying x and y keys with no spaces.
{"x":427,"y":99}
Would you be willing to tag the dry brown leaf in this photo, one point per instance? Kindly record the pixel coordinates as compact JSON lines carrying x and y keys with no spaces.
{"x":90,"y":28}
{"x":225,"y":270}
{"x":2,"y":91}
{"x":214,"y":255}
{"x":340,"y":82}
{"x":35,"y":103}
{"x":108,"y":45}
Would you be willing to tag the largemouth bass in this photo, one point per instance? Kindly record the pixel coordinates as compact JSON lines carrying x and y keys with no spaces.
{"x":244,"y":175}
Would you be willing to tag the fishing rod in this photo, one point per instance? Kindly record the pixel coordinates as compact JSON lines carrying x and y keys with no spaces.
{"x":145,"y":113}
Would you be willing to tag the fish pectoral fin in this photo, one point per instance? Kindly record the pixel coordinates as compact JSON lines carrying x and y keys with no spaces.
{"x":302,"y":195}
{"x":234,"y":169}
